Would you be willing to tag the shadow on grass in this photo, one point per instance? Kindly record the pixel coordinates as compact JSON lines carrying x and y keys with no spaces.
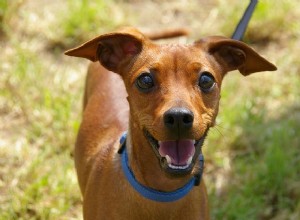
{"x":264,"y":178}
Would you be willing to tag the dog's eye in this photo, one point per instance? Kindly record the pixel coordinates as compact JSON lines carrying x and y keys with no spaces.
{"x":144,"y":82}
{"x":206,"y":82}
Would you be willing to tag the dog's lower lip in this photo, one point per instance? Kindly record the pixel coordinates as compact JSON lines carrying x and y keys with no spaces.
{"x":165,"y":160}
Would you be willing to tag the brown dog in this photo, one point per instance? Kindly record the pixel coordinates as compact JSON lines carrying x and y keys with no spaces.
{"x":173,"y":94}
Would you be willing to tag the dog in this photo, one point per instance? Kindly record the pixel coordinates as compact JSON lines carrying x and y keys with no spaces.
{"x":166,"y":98}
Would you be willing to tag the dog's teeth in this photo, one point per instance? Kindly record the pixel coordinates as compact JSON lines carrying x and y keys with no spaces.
{"x":190,"y":160}
{"x":178,"y":167}
{"x":194,"y":142}
{"x":168,"y":158}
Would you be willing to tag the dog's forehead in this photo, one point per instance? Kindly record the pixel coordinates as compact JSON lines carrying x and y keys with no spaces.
{"x":183,"y":55}
{"x":178,"y":49}
{"x":178,"y":52}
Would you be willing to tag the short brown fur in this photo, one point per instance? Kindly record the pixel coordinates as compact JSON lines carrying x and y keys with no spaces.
{"x":113,"y":104}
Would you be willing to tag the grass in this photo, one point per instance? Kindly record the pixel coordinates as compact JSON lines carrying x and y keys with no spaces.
{"x":264,"y":167}
{"x":3,"y":9}
{"x":37,"y":176}
{"x":98,"y":18}
{"x":252,"y":154}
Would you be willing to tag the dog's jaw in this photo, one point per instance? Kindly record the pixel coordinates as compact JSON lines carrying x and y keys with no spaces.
{"x":176,"y":158}
{"x":179,"y":154}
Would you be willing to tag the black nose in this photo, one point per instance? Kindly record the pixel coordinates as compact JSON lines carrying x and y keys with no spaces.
{"x":178,"y":119}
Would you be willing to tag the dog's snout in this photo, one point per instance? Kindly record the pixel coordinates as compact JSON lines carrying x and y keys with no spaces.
{"x":178,"y":118}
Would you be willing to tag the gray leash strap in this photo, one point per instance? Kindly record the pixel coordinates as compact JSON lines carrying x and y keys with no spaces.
{"x":242,"y":25}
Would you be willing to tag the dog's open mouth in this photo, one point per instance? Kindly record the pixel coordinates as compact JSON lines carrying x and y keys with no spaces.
{"x":176,"y":157}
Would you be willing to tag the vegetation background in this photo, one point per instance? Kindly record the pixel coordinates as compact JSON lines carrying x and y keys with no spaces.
{"x":253,"y":160}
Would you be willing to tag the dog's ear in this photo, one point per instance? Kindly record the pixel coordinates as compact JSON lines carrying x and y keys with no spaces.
{"x":113,"y":49}
{"x":235,"y":55}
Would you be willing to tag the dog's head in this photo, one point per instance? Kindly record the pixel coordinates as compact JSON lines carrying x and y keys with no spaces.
{"x":173,"y":90}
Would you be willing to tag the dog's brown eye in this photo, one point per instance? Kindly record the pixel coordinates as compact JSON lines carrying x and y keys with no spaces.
{"x":206,"y":82}
{"x":144,"y":82}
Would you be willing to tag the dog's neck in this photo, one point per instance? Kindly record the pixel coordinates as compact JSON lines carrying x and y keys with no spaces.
{"x":145,"y":165}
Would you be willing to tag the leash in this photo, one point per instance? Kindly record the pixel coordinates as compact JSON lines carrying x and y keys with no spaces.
{"x":242,"y":25}
{"x":153,"y":194}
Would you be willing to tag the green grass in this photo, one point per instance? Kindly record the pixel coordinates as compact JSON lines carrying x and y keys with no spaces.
{"x":252,"y":168}
{"x":85,"y":20}
{"x":38,"y":179}
{"x":3,"y":9}
{"x":264,"y":166}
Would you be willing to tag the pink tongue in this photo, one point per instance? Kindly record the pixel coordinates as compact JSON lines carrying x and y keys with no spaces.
{"x":178,"y":151}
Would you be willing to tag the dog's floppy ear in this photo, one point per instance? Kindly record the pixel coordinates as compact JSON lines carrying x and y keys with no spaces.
{"x":235,"y":55}
{"x":111,"y":49}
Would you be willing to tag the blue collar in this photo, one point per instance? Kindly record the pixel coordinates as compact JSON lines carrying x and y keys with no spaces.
{"x":153,"y":194}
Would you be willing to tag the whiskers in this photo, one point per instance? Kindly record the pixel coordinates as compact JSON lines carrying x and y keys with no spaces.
{"x":223,"y":133}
